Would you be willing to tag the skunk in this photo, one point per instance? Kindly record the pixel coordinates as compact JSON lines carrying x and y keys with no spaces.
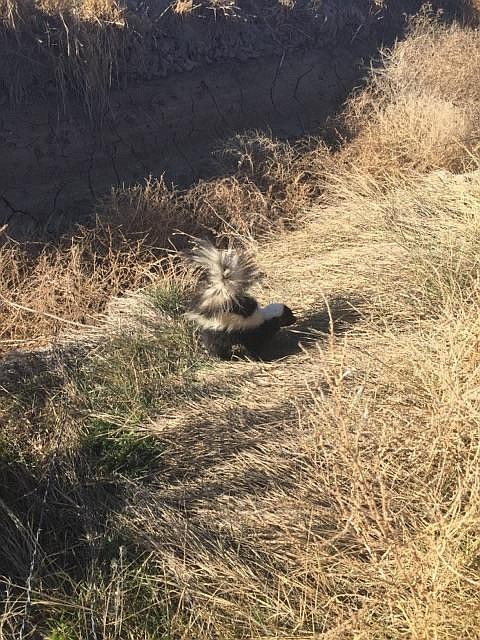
{"x":224,"y":313}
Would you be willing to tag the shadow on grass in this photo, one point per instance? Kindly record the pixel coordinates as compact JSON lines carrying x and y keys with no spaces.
{"x":193,"y":449}
{"x":88,"y":495}
{"x":58,"y":536}
{"x":336,"y":317}
{"x":71,"y":509}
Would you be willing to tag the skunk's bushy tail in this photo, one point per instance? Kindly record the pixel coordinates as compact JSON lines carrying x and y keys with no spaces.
{"x":227,"y":274}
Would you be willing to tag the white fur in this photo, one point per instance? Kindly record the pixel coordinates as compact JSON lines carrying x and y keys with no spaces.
{"x":229,"y":272}
{"x":227,"y":321}
{"x":274,"y":310}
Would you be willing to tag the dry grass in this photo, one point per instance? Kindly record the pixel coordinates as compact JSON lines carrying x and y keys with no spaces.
{"x":335,"y":493}
{"x":154,"y":211}
{"x":87,"y":10}
{"x":47,"y":291}
{"x":70,"y":285}
{"x":77,"y":47}
{"x":332,"y":493}
{"x":268,"y":187}
{"x":339,"y":497}
{"x":226,"y":8}
{"x":420,"y":110}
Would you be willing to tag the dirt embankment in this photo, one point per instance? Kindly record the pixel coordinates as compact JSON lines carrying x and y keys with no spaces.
{"x":150,"y":90}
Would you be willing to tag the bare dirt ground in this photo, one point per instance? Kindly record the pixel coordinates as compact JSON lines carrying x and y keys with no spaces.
{"x":53,"y":170}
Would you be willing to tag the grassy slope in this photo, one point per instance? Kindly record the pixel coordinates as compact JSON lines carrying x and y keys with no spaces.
{"x":333,"y":493}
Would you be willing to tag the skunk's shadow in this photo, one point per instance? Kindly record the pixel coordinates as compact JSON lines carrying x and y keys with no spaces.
{"x":336,"y":317}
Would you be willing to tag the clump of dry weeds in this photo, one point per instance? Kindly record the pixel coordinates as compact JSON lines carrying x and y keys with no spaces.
{"x":153,"y":210}
{"x":68,"y":285}
{"x":420,"y":108}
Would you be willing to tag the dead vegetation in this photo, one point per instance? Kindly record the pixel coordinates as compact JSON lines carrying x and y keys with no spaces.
{"x":419,"y":116}
{"x":60,"y":287}
{"x":76,"y":48}
{"x":332,"y":493}
{"x":420,"y":111}
{"x":135,"y":228}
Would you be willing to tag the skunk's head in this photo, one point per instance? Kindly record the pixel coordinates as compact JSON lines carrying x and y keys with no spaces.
{"x":281,"y":311}
{"x":287,"y":318}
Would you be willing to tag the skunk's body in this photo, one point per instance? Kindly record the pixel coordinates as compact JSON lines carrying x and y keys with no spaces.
{"x":225,"y":314}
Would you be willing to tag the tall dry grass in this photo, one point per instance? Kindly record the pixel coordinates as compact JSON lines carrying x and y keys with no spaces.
{"x":75,"y":47}
{"x":337,"y":495}
{"x":420,"y":109}
{"x":59,"y":287}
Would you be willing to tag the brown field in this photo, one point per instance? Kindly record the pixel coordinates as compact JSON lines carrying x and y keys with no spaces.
{"x":332,"y":492}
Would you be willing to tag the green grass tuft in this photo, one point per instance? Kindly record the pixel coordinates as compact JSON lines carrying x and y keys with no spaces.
{"x":171,"y":298}
{"x":121,"y":450}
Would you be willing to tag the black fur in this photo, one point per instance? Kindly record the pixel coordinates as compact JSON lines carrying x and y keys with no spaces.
{"x":254,"y":341}
{"x":243,"y":306}
{"x":287,"y":318}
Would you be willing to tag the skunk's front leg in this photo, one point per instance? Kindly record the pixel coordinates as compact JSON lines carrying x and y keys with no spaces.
{"x":217,"y":343}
